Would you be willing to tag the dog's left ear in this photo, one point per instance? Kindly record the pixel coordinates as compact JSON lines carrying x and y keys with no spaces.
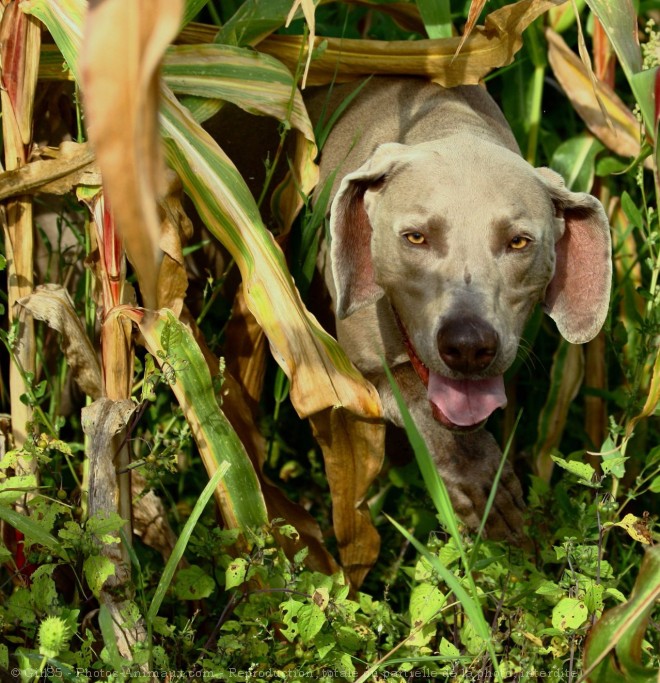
{"x":578,"y":295}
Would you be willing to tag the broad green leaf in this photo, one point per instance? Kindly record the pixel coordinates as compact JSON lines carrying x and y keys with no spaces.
{"x":254,"y":20}
{"x":436,"y":15}
{"x":621,"y":629}
{"x":575,"y":160}
{"x":447,"y":649}
{"x":97,"y":568}
{"x":15,"y":488}
{"x":184,"y":367}
{"x":32,"y":530}
{"x":643,"y":87}
{"x":426,"y":601}
{"x":619,"y":20}
{"x":310,"y":621}
{"x":569,"y":614}
{"x":254,"y":81}
{"x":583,"y":470}
{"x":550,"y":590}
{"x":236,"y":573}
{"x":193,"y":583}
{"x":289,"y":611}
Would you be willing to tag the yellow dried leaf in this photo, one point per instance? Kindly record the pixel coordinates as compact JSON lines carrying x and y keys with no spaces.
{"x":637,"y":528}
{"x":488,"y":47}
{"x":623,"y":136}
{"x":121,"y":96}
{"x":58,"y":172}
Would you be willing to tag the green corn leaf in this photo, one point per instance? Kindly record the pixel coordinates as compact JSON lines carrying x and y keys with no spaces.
{"x":613,"y":651}
{"x":184,"y":368}
{"x":321,"y":374}
{"x":256,"y":82}
{"x":436,"y":15}
{"x":64,"y":20}
{"x":575,"y":160}
{"x":32,"y":530}
{"x":254,"y":20}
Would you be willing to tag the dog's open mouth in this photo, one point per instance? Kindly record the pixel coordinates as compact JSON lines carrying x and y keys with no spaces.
{"x":457,"y":403}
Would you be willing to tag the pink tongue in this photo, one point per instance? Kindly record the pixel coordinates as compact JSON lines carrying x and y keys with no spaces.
{"x":466,"y":402}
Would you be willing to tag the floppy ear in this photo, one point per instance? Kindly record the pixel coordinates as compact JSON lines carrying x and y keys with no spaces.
{"x":578,"y":295}
{"x":350,"y":232}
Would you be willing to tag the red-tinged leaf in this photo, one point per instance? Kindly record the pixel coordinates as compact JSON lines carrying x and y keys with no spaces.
{"x":476,"y":6}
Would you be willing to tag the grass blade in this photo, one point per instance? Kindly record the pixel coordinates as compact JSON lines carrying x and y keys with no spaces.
{"x":182,"y":542}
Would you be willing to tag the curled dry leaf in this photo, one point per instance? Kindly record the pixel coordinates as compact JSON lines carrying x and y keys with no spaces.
{"x":61,"y":170}
{"x":52,"y":304}
{"x":623,"y":136}
{"x":150,"y":521}
{"x":175,"y":229}
{"x":488,"y":47}
{"x":121,"y":103}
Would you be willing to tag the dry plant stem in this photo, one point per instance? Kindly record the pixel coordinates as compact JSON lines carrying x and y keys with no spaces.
{"x":20,"y":39}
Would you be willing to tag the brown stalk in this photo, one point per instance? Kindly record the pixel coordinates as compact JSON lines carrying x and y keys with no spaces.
{"x":20,"y":41}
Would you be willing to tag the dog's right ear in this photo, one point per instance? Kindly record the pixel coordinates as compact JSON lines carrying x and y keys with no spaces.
{"x":350,"y":232}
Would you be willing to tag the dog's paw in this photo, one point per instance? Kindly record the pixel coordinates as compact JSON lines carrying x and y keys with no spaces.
{"x":468,"y":464}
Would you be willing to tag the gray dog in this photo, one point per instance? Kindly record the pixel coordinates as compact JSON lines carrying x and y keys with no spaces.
{"x":443,"y":239}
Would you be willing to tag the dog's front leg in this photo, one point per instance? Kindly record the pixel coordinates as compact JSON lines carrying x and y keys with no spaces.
{"x":467,"y":461}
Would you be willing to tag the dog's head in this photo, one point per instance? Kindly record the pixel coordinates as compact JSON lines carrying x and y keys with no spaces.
{"x":464,"y":238}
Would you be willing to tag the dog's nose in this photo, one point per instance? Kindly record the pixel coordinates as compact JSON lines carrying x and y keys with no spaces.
{"x":467,"y":344}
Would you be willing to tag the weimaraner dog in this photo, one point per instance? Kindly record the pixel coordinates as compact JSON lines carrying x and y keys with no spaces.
{"x":443,"y":239}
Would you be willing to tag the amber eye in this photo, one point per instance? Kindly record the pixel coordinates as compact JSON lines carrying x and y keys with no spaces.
{"x":519,"y":242}
{"x":415,"y":238}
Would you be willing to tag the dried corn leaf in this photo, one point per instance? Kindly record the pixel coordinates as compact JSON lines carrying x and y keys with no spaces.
{"x":623,"y":137}
{"x":64,"y":168}
{"x":20,"y":39}
{"x":52,"y":304}
{"x":150,"y":521}
{"x":176,"y":227}
{"x":121,"y":98}
{"x":488,"y":47}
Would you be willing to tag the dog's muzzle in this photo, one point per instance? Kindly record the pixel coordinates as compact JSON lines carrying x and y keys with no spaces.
{"x":461,"y":404}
